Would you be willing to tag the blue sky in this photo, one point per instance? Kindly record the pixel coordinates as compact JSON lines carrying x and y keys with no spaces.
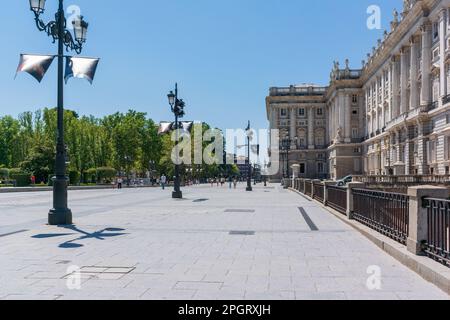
{"x":224,"y":54}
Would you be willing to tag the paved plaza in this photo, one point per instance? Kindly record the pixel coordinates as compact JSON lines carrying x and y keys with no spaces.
{"x":216,"y":243}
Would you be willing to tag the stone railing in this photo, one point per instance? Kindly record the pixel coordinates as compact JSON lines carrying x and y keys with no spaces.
{"x":297,"y":91}
{"x":408,"y":180}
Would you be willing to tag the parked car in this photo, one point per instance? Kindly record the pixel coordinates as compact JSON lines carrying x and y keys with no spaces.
{"x":344,"y":181}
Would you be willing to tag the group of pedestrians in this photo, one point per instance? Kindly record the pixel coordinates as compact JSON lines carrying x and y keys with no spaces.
{"x":232,"y":182}
{"x":218,"y":181}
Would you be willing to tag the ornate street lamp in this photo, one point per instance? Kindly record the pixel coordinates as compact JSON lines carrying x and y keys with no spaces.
{"x":286,"y":147}
{"x":249,"y":133}
{"x":177,"y":108}
{"x":60,"y":214}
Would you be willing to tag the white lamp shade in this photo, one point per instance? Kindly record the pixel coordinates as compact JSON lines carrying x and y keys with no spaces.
{"x":80,"y":29}
{"x":37,"y":6}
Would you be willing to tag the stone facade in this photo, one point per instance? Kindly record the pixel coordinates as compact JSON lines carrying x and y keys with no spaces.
{"x":390,"y":117}
{"x":300,"y":113}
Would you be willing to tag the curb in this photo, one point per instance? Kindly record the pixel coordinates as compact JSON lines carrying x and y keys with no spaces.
{"x":427,"y":268}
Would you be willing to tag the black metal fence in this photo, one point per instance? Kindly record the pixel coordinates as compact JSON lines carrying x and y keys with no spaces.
{"x":337,"y":198}
{"x":308,"y":188}
{"x":387,"y":213}
{"x":437,"y":246}
{"x":319,"y":193}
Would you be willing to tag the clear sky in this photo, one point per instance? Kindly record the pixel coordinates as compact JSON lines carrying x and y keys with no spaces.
{"x":224,"y":54}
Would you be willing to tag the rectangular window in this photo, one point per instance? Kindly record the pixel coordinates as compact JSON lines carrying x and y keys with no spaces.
{"x":302,"y":168}
{"x":355,"y":133}
{"x":301,"y":112}
{"x":320,"y":167}
{"x":435,"y":31}
{"x":283,"y":112}
{"x":431,"y":151}
{"x":320,"y":112}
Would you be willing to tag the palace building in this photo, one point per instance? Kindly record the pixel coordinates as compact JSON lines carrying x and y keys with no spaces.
{"x":391,"y":117}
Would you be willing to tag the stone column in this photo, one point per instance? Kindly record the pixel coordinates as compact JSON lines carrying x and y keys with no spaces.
{"x":293,"y":128}
{"x":443,"y":75}
{"x":391,"y":109}
{"x":271,"y":117}
{"x":426,"y":64}
{"x":348,"y":119}
{"x":409,"y":153}
{"x":403,"y":82}
{"x":383,"y":106}
{"x":422,"y":150}
{"x":311,"y":112}
{"x":418,"y":222}
{"x":333,"y":119}
{"x":377,"y":102}
{"x":341,"y":107}
{"x":395,"y":87}
{"x":327,"y":120}
{"x":414,"y":73}
{"x":350,"y":187}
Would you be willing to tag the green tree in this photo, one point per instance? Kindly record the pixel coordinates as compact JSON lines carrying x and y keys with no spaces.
{"x":40,"y":162}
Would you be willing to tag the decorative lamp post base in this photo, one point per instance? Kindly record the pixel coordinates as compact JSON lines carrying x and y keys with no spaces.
{"x":60,"y":214}
{"x":60,"y":217}
{"x":249,"y":188}
{"x":177,"y":195}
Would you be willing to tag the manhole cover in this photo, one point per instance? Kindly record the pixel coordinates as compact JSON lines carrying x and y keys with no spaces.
{"x":242,"y":233}
{"x":239,"y":211}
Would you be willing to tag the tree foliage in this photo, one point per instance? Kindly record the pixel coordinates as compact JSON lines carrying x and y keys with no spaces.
{"x":98,"y":148}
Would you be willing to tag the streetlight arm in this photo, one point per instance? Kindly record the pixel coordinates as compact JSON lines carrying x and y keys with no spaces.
{"x":51,"y":28}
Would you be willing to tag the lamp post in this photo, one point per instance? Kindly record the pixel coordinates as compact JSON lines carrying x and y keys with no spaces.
{"x":249,"y":133}
{"x":60,"y":214}
{"x":286,"y":147}
{"x":177,"y":107}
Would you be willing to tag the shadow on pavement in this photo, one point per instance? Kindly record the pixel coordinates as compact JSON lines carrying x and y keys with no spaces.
{"x":71,"y":244}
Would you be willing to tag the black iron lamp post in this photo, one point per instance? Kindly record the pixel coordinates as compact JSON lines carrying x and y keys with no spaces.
{"x":60,"y":214}
{"x":177,"y":107}
{"x":286,"y":147}
{"x":249,"y":133}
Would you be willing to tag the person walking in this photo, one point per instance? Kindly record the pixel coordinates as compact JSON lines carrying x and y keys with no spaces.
{"x":119,"y":183}
{"x":235,"y":182}
{"x":163,"y":181}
